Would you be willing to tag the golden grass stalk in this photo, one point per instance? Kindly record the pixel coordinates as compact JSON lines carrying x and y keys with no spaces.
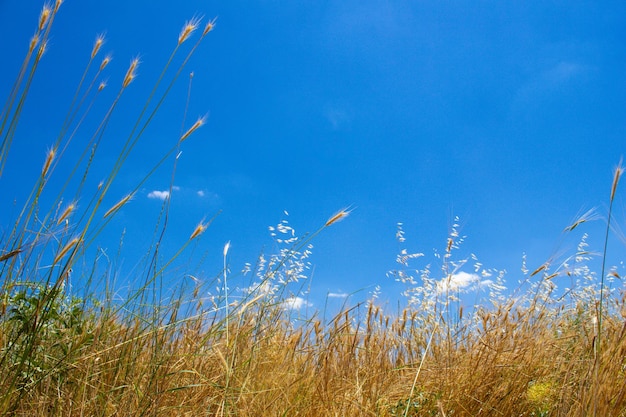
{"x":66,"y":212}
{"x":131,"y":73}
{"x":200,"y":228}
{"x":538,"y":270}
{"x":105,"y":62}
{"x":600,"y":309}
{"x":193,"y":128}
{"x":33,"y":43}
{"x":44,"y":16}
{"x":10,"y":254}
{"x":339,"y":216}
{"x":68,"y":246}
{"x":209,"y":27}
{"x":118,"y":205}
{"x":97,"y":45}
{"x":189,"y":27}
{"x":616,"y":176}
{"x":50,"y":155}
{"x":589,"y":215}
{"x":42,"y":49}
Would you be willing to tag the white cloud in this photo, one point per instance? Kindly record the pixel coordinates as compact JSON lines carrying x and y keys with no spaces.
{"x":159,"y":195}
{"x":200,"y":193}
{"x":461,"y":281}
{"x":337,"y":295}
{"x":295,"y":303}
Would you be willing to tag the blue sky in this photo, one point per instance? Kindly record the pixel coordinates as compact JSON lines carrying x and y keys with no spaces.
{"x":510,"y":115}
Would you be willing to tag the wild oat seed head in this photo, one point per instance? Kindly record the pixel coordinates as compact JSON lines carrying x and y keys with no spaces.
{"x":200,"y":228}
{"x":538,"y":270}
{"x":102,"y":85}
{"x":196,"y":125}
{"x":57,"y":5}
{"x":342,"y":214}
{"x":189,"y":27}
{"x":42,"y":49}
{"x":65,"y":249}
{"x":33,"y":43}
{"x":97,"y":45}
{"x":66,"y":213}
{"x":588,"y":216}
{"x":209,"y":26}
{"x":131,"y":73}
{"x":105,"y":62}
{"x":44,"y":16}
{"x":618,"y":173}
{"x":118,"y":205}
{"x":48,"y":162}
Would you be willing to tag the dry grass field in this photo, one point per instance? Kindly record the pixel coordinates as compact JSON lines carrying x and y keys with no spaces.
{"x":89,"y":352}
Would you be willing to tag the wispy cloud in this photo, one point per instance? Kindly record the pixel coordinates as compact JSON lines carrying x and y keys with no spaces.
{"x":295,"y":303}
{"x":563,"y":72}
{"x":159,"y":195}
{"x":339,"y":117}
{"x":550,"y":81}
{"x":337,"y":295}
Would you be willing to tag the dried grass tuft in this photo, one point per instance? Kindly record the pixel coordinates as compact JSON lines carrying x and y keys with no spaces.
{"x":131,"y":73}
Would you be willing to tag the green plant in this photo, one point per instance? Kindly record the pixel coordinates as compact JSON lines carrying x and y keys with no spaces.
{"x":422,"y":404}
{"x":45,"y":328}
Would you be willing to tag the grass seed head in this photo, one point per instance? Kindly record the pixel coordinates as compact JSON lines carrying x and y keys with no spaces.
{"x":65,"y":249}
{"x":97,"y":45}
{"x":118,"y":205}
{"x":105,"y":62}
{"x":66,"y":213}
{"x":195,"y":126}
{"x":339,"y":216}
{"x":209,"y":27}
{"x":44,"y":16}
{"x":189,"y":27}
{"x":131,"y":73}
{"x":588,"y":216}
{"x":48,"y":162}
{"x":200,"y":228}
{"x":42,"y":49}
{"x":538,"y":270}
{"x":618,"y":173}
{"x":33,"y":43}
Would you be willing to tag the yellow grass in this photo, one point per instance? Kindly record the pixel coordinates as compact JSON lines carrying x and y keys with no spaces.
{"x":104,"y":353}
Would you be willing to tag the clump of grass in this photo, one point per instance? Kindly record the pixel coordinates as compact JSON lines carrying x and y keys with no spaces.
{"x":211,"y":350}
